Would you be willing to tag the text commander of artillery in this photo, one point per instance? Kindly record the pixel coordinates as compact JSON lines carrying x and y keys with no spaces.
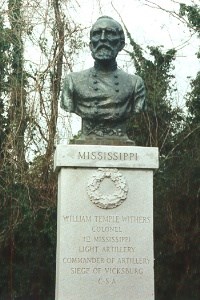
{"x":104,"y":96}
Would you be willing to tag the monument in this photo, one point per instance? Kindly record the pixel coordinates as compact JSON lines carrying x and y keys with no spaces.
{"x":104,"y":96}
{"x":105,"y":183}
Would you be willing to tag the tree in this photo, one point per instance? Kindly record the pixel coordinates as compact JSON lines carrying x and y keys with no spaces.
{"x":28,"y":118}
{"x":177,"y":182}
{"x":4,"y":58}
{"x":159,"y":123}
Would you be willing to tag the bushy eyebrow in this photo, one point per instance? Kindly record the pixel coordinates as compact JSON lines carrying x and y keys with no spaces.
{"x":105,"y":28}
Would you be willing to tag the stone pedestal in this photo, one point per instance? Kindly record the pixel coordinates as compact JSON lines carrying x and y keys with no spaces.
{"x":105,"y":222}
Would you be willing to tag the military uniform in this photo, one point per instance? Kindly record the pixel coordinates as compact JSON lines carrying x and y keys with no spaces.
{"x":104,"y":100}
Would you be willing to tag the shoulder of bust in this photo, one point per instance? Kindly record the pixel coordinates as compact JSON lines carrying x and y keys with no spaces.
{"x":121,"y":72}
{"x":80,"y":74}
{"x":128,"y":75}
{"x":134,"y":79}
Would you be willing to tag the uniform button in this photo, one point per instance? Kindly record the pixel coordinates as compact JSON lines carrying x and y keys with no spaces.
{"x":117,"y":90}
{"x":116,"y":83}
{"x":94,"y":75}
{"x":96,"y":88}
{"x":116,"y":76}
{"x":95,"y":82}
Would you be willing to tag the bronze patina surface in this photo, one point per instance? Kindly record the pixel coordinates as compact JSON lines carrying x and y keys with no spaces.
{"x":104,"y":96}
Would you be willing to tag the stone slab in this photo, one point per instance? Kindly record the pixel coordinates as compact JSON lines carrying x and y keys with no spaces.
{"x":105,"y":254}
{"x":130,"y":157}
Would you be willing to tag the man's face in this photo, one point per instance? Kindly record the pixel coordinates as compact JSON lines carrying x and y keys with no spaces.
{"x":105,"y":42}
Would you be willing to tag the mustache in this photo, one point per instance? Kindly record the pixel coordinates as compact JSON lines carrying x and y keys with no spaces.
{"x":105,"y":46}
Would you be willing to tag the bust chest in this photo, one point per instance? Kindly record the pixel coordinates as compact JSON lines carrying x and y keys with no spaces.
{"x":103,"y":95}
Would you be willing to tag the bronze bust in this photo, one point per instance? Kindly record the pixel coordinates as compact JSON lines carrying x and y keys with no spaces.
{"x":104,"y":96}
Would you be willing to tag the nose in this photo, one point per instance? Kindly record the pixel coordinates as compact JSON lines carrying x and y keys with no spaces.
{"x":103,"y":36}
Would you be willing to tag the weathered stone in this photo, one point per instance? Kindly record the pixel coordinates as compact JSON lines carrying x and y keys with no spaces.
{"x":104,"y":156}
{"x":105,"y":252}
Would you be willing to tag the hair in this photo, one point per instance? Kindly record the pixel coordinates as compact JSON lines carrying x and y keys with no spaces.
{"x":120,"y":29}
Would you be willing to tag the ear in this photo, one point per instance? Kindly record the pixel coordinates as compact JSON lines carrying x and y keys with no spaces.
{"x":90,"y":45}
{"x":122,"y":44}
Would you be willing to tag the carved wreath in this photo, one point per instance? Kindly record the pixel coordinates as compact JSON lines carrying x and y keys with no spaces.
{"x":107,"y":200}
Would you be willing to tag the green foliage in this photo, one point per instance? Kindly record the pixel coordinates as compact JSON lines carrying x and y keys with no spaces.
{"x":193,"y":100}
{"x":3,"y":128}
{"x":177,"y":186}
{"x":156,"y":126}
{"x":4,"y":47}
{"x":27,"y":200}
{"x":192,"y":12}
{"x":4,"y":59}
{"x":28,"y":241}
{"x":177,"y":182}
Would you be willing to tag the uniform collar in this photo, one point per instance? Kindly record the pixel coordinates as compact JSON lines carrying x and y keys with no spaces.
{"x":105,"y":68}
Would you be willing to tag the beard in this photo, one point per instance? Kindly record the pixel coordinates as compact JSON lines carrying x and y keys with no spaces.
{"x":103,"y":52}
